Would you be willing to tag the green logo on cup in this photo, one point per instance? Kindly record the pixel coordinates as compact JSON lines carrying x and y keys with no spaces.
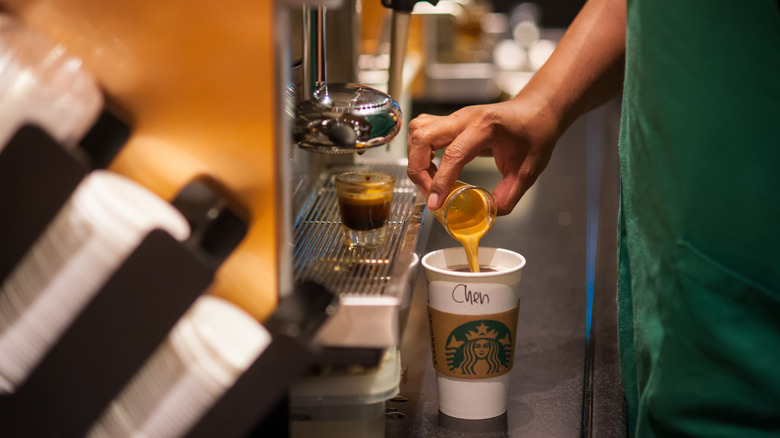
{"x":479,"y":348}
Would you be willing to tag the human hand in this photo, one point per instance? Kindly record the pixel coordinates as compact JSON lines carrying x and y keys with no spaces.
{"x":520,"y":134}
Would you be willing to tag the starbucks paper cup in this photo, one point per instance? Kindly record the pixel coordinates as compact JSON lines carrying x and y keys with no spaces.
{"x":473,"y":327}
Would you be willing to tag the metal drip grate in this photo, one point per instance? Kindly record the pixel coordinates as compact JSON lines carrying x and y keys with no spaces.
{"x":320,"y":254}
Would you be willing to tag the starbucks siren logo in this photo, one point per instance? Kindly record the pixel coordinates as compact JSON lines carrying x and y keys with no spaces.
{"x":479,"y":348}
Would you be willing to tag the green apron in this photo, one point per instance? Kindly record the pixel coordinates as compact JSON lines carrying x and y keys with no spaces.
{"x":699,"y":228}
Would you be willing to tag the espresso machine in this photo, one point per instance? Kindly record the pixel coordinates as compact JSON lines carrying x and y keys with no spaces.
{"x":259,"y":104}
{"x":361,"y":367}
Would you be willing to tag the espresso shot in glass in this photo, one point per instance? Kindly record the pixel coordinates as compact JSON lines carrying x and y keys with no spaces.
{"x":364,"y":199}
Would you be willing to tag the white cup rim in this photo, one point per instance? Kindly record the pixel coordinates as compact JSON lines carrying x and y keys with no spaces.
{"x":519,"y":266}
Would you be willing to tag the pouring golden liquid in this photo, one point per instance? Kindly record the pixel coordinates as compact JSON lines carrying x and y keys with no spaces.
{"x":467,"y":214}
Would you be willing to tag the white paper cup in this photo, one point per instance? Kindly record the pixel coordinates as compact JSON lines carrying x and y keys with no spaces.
{"x":473,"y":326}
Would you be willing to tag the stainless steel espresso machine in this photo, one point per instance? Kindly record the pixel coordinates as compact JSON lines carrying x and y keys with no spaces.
{"x":361,"y":367}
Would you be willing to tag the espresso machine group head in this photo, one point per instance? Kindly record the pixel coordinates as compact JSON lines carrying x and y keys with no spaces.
{"x":348,"y":117}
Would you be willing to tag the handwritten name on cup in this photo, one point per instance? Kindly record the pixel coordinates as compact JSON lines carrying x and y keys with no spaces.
{"x":462,"y":294}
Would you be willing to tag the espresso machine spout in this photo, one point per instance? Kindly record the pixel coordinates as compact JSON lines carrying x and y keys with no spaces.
{"x":399,"y":34}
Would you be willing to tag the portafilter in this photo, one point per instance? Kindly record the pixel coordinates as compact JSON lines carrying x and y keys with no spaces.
{"x":342,"y":118}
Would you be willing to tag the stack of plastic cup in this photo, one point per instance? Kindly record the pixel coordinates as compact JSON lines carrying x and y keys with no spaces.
{"x":41,"y":83}
{"x":100,"y":225}
{"x":205,"y":353}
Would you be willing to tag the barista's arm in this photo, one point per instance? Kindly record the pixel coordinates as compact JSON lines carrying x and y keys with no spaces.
{"x":585,"y":71}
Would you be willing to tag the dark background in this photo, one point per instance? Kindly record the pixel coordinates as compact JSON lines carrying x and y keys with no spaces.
{"x":555,"y":13}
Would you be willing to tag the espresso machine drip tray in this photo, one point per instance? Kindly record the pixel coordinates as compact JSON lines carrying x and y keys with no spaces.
{"x":374,"y":285}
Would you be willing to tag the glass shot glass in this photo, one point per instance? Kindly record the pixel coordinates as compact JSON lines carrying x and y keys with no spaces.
{"x":364,"y":199}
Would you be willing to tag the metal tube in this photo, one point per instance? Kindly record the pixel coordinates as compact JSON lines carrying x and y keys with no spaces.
{"x":308,"y":56}
{"x":399,"y":33}
{"x":321,"y":64}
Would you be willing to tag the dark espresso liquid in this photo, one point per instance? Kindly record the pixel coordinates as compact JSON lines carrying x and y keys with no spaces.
{"x":364,"y":214}
{"x":481,"y":269}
